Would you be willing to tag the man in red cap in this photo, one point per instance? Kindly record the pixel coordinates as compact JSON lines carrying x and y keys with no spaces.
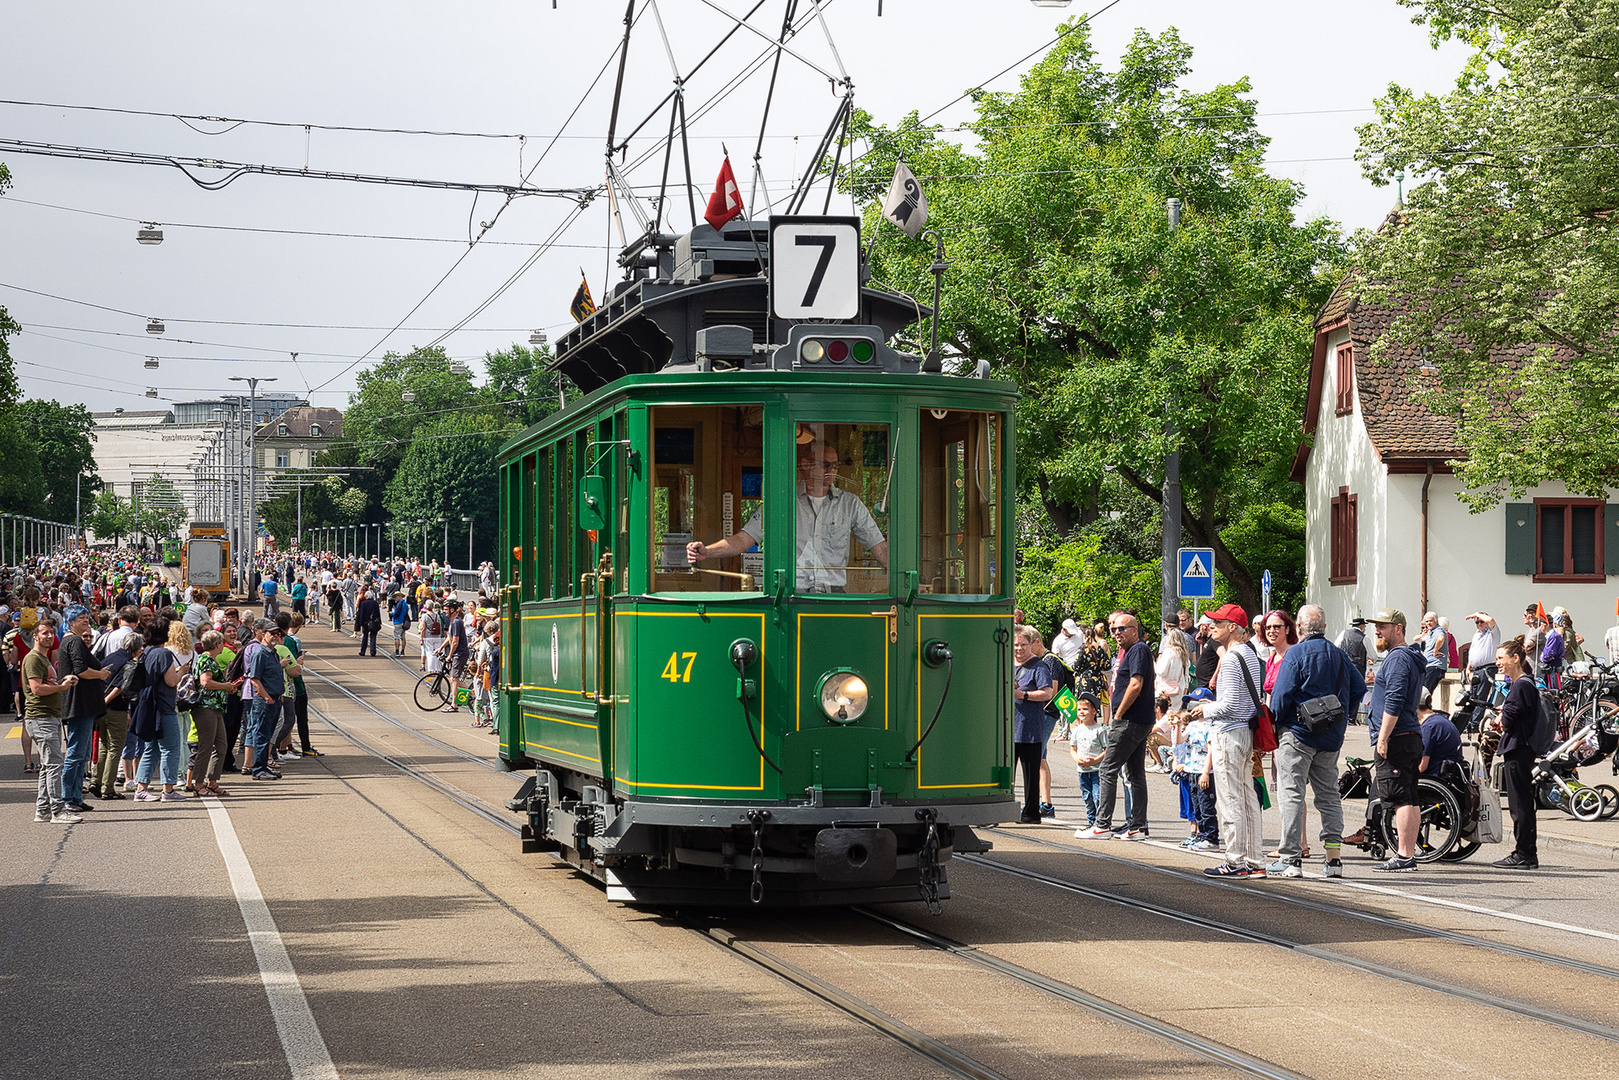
{"x":1234,"y":708}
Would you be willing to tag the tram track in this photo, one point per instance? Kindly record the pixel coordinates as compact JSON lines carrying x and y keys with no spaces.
{"x":951,"y":1059}
{"x":936,"y":1050}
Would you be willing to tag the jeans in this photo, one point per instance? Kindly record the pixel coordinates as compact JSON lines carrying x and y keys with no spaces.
{"x":260,"y":726}
{"x":47,"y":735}
{"x":163,"y":754}
{"x":76,"y":758}
{"x":1089,"y":786}
{"x":1126,"y":752}
{"x":1203,"y":809}
{"x":1297,"y":763}
{"x":114,"y":729}
{"x":1235,"y":799}
{"x":368,"y":640}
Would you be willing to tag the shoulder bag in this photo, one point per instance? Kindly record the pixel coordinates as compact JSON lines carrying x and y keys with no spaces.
{"x":1263,"y":727}
{"x":1323,"y":712}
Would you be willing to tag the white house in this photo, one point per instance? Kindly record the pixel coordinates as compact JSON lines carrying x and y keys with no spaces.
{"x":1386,"y":526}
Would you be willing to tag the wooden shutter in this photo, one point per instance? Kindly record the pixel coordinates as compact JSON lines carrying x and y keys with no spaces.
{"x":1520,"y":538}
{"x":1610,"y":538}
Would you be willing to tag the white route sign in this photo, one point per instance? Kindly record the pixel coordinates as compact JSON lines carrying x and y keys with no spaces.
{"x":815,"y":268}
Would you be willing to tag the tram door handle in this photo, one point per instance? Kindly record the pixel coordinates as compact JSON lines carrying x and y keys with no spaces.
{"x":892,"y":615}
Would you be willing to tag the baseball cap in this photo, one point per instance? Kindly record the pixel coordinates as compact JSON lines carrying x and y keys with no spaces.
{"x":1230,"y":613}
{"x":1202,"y":693}
{"x":1388,"y":615}
{"x":1069,"y":626}
{"x":1090,"y":697}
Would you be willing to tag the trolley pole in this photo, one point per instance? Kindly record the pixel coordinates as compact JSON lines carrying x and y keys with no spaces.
{"x":1172,"y":481}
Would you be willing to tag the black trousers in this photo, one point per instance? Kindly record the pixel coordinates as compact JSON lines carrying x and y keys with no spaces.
{"x":1126,"y":752}
{"x":300,"y":710}
{"x":368,"y":639}
{"x":233,"y":729}
{"x":1028,"y":758}
{"x":1520,"y":765}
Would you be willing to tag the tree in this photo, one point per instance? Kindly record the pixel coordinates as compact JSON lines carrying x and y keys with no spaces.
{"x":519,"y":385}
{"x":159,"y":511}
{"x":449,"y":472}
{"x":1066,"y":276}
{"x":1511,"y":247}
{"x":111,"y":516}
{"x":64,"y":454}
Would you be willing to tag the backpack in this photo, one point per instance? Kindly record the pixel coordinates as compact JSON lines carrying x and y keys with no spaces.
{"x":431,"y":627}
{"x":132,"y":681}
{"x":1544,"y":737}
{"x":237,"y":666}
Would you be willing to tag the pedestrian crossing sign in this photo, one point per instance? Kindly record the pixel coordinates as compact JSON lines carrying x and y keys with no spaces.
{"x":1197,"y":573}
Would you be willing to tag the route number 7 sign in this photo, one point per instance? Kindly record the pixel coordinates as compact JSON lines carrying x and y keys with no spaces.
{"x":815,"y":268}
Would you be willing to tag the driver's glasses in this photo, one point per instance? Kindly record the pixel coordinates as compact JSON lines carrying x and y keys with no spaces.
{"x":811,"y":465}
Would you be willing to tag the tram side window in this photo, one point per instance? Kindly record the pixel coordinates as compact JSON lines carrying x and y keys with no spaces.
{"x":541,"y":570}
{"x":528,"y":524}
{"x":961,"y":503}
{"x":563,"y":518}
{"x":707,"y":482}
{"x":841,"y":499}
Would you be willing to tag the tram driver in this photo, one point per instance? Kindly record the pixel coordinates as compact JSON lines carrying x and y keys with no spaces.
{"x":827,"y":517}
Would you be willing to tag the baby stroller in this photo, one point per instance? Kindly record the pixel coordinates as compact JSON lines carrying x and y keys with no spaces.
{"x":1556,"y":778}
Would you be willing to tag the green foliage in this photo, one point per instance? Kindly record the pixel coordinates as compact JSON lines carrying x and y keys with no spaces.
{"x":110,"y":516}
{"x":63,"y":454}
{"x":1065,"y":275}
{"x":1083,"y":579}
{"x":159,"y":511}
{"x":1512,"y":243}
{"x":519,"y":385}
{"x":449,"y":472}
{"x":1270,"y":536}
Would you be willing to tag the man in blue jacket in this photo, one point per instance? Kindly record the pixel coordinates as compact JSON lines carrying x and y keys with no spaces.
{"x":1397,"y":734}
{"x":1313,"y":669}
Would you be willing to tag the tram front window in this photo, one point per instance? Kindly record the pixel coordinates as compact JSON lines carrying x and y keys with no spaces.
{"x":961,"y":503}
{"x":841,"y":515}
{"x":708,"y":477}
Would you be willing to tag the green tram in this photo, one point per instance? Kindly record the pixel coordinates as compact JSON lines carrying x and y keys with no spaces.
{"x":740,"y":576}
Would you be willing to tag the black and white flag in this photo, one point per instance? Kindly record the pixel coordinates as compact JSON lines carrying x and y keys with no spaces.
{"x":906,"y":206}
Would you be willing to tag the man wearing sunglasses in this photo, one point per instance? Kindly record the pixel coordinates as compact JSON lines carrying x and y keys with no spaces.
{"x":1134,"y":687}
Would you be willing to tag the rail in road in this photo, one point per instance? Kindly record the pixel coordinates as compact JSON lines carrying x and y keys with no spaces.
{"x":826,"y":954}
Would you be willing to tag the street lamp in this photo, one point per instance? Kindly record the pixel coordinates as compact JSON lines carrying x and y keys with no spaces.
{"x":252,"y":467}
{"x":468,"y":520}
{"x":393,"y":552}
{"x":446,"y":523}
{"x":537,"y":338}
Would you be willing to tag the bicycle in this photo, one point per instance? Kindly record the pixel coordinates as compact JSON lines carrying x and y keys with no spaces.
{"x":432,"y":690}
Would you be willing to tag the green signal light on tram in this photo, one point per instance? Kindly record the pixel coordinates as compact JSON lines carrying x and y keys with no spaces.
{"x":863,"y":351}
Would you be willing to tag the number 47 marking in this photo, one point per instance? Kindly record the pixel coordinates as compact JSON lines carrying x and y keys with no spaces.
{"x":672,"y":670}
{"x":827,"y":244}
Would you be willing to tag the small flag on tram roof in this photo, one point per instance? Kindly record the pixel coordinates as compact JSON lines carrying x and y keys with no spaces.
{"x":906,"y":206}
{"x":726,"y":202}
{"x":583,"y":307}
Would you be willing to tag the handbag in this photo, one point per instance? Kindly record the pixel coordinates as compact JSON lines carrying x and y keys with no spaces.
{"x":1262,"y":725}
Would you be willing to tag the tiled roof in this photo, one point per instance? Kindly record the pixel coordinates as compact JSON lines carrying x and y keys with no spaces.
{"x":299,"y":420}
{"x":1397,"y":421}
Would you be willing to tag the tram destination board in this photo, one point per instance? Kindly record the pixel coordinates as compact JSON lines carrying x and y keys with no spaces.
{"x":815,"y":268}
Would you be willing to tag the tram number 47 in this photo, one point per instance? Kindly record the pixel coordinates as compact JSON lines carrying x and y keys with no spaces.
{"x":674,"y":672}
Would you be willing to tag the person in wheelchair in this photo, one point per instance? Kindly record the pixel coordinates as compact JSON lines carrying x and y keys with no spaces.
{"x":1442,"y":756}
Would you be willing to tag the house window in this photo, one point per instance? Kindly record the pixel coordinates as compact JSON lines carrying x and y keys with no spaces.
{"x":1344,"y":531}
{"x":283,"y":459}
{"x":1344,"y":378}
{"x":1569,"y":540}
{"x":282,"y":430}
{"x":314,"y":431}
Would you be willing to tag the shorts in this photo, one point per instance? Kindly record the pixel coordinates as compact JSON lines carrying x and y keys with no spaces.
{"x":458,"y":669}
{"x":399,"y":631}
{"x":1396,"y":775}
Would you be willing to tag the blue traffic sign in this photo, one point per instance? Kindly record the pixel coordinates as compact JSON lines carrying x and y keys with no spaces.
{"x":1266,"y":582}
{"x":1197,"y":573}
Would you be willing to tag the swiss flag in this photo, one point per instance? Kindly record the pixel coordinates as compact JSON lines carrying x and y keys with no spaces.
{"x":726,"y":202}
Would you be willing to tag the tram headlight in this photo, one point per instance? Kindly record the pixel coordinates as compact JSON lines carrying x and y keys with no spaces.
{"x":844,"y":696}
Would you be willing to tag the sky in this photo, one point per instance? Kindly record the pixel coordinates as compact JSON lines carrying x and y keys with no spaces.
{"x":249,"y":275}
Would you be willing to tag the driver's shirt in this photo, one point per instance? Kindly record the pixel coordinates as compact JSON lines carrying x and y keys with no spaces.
{"x":822,"y":537}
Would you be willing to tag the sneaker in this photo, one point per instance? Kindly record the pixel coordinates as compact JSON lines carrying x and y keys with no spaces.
{"x":147,"y":796}
{"x":174,"y":796}
{"x":1205,"y":845}
{"x":1285,"y":868}
{"x":1046,"y":809}
{"x":1333,"y":868}
{"x":1396,"y":865}
{"x":310,"y":751}
{"x":1516,"y":861}
{"x":79,"y":807}
{"x":42,"y":818}
{"x":1095,"y":832}
{"x":289,"y":753}
{"x":63,"y":817}
{"x":1189,"y":843}
{"x":1131,"y":834}
{"x":129,"y":785}
{"x":265,"y":776}
{"x":1226,"y":870}
{"x":1256,"y":872}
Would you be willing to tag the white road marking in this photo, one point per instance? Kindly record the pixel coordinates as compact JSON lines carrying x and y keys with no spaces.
{"x":306,"y":1051}
{"x":1438,"y":902}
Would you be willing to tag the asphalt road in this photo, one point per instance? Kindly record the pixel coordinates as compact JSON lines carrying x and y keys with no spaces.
{"x":402,"y":935}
